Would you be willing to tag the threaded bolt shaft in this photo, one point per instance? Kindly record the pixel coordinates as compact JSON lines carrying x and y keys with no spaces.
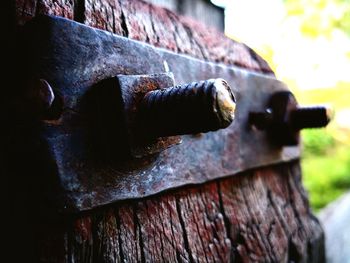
{"x":190,"y":108}
{"x":310,"y":117}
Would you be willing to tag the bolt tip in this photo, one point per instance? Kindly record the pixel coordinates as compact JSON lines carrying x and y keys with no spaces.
{"x":329,"y":113}
{"x":311,"y":117}
{"x":225,"y":102}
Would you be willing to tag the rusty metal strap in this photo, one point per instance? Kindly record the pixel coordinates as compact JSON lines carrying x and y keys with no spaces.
{"x":73,"y":57}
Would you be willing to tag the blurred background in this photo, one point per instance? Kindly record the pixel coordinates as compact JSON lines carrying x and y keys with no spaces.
{"x":307,"y":43}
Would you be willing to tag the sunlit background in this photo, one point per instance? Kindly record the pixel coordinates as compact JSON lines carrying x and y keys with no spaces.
{"x":307,"y":43}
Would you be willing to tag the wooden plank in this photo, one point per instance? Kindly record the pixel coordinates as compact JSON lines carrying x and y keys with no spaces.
{"x":261,"y":215}
{"x":200,"y":213}
{"x":106,"y":15}
{"x":64,"y":8}
{"x":106,"y":237}
{"x":25,"y":10}
{"x":142,"y":21}
{"x":271,"y":213}
{"x":161,"y":232}
{"x":129,"y":234}
{"x":81,"y":240}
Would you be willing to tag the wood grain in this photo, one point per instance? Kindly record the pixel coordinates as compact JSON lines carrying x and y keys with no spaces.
{"x":257,"y":216}
{"x":142,"y":21}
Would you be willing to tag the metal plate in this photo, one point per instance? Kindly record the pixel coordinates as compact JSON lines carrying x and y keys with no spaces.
{"x":73,"y":57}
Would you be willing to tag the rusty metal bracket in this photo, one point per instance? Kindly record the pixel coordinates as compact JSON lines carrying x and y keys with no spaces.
{"x":129,"y":136}
{"x":73,"y":57}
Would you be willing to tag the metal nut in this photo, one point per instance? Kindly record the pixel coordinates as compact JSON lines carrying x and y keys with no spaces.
{"x":283,"y":119}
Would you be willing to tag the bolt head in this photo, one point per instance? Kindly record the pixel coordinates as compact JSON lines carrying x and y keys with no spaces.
{"x":45,"y":94}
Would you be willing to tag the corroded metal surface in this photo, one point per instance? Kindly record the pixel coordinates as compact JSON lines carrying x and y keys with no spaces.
{"x":74,"y":57}
{"x":190,"y":108}
{"x":121,"y":97}
{"x":283,"y":119}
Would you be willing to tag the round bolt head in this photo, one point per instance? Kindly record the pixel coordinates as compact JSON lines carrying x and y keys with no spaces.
{"x":39,"y":95}
{"x":42,"y":101}
{"x":45,"y":93}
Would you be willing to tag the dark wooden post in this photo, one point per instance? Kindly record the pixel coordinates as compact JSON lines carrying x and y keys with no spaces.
{"x":261,"y":215}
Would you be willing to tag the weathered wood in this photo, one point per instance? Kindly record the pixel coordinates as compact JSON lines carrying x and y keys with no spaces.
{"x":142,"y":21}
{"x":201,"y":10}
{"x":271,"y":212}
{"x":261,"y":215}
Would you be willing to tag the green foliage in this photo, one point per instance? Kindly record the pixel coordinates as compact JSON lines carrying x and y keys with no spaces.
{"x":326,"y":177}
{"x":320,"y":17}
{"x":326,"y":160}
{"x":317,"y":142}
{"x":338,"y":96}
{"x":324,"y":24}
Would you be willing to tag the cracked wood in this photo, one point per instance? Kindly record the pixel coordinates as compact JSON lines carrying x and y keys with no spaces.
{"x":261,"y":215}
{"x":142,"y":21}
{"x":257,"y":216}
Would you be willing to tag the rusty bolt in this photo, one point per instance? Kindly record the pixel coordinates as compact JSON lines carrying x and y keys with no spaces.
{"x":283,"y":119}
{"x":45,"y":94}
{"x":42,"y":100}
{"x":310,"y":117}
{"x":188,"y":109}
